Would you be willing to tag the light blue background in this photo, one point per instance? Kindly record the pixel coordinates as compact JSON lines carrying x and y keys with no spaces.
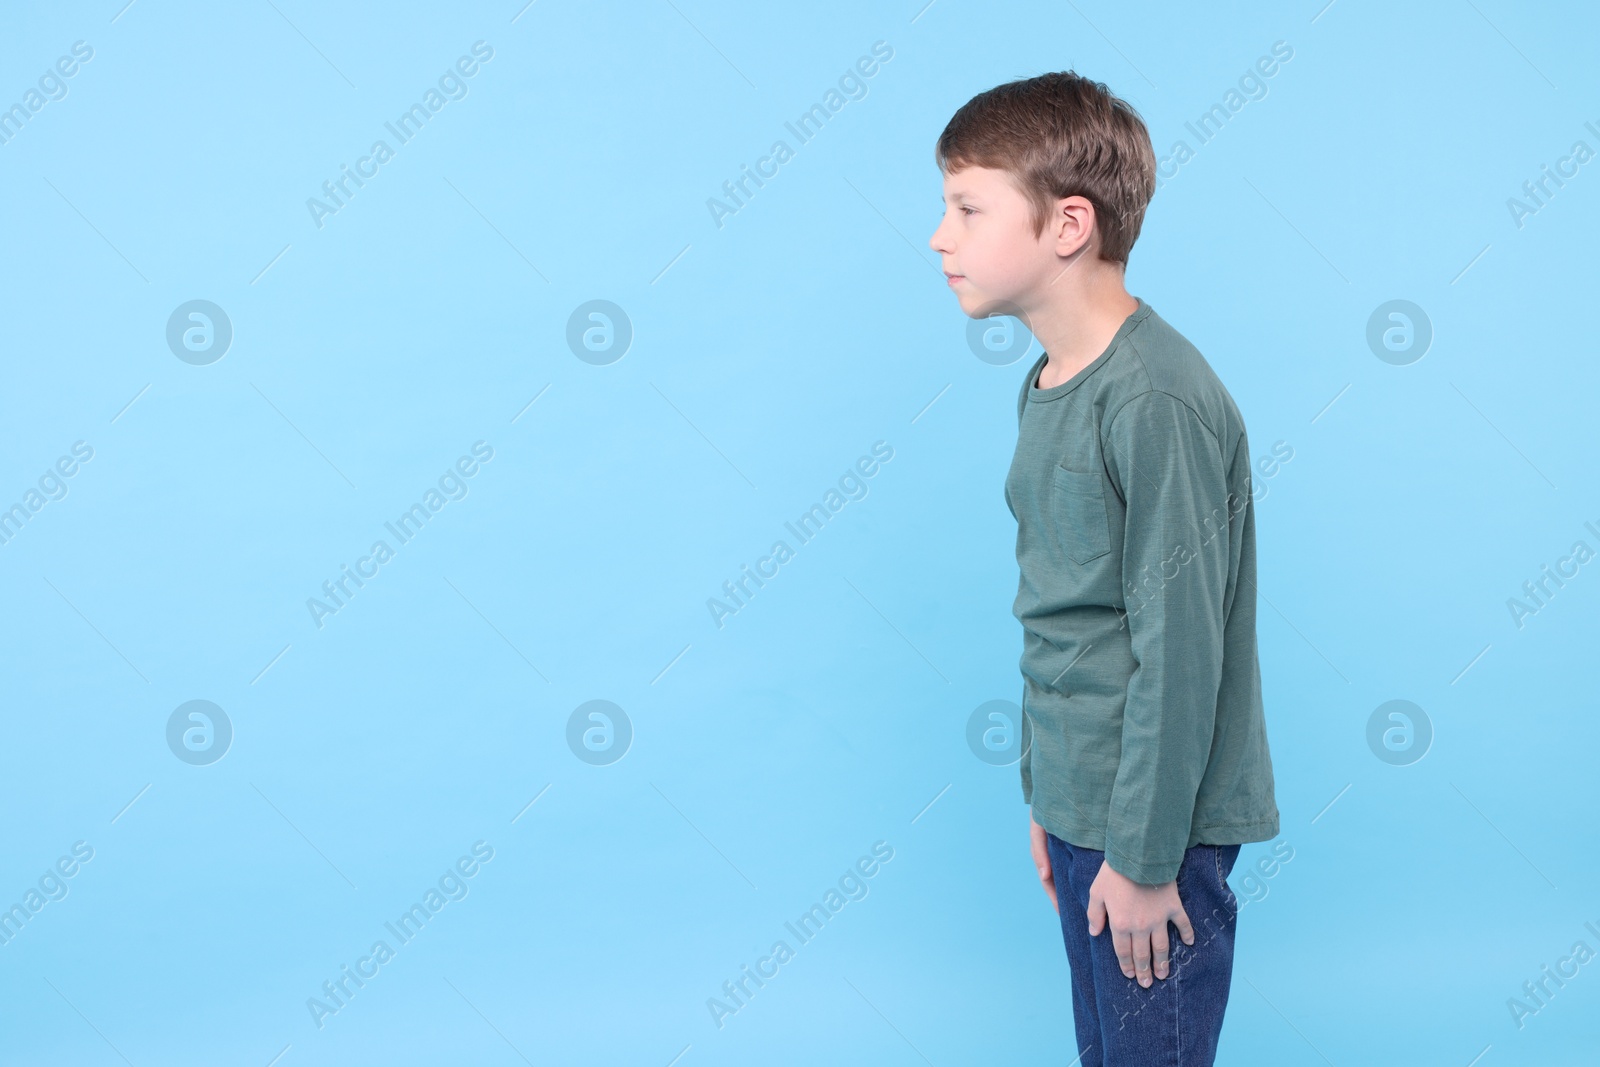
{"x":768,"y":355}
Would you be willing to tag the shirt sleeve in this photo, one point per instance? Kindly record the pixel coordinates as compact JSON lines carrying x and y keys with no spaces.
{"x":1171,"y":472}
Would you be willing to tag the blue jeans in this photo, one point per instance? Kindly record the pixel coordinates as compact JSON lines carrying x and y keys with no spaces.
{"x":1176,"y":1021}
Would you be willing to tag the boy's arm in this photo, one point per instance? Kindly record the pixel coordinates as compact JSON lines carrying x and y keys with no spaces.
{"x":1172,"y":474}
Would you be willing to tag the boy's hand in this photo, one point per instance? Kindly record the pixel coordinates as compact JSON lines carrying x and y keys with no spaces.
{"x":1138,"y":916}
{"x":1041,"y":860}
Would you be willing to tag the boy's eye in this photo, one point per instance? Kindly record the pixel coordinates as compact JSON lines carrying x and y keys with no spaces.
{"x":968,"y":211}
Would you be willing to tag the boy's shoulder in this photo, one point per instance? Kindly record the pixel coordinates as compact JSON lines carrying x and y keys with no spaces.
{"x":1155,"y":358}
{"x":1151,"y":358}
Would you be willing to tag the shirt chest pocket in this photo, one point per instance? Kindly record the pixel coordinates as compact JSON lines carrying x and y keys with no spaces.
{"x":1080,"y":514}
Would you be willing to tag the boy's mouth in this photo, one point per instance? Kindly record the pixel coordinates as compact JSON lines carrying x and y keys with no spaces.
{"x":951,"y":279}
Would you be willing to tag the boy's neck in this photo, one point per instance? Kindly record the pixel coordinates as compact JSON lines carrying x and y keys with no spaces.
{"x":1076,"y":326}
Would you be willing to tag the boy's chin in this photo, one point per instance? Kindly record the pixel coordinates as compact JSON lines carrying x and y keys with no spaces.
{"x":978,"y":306}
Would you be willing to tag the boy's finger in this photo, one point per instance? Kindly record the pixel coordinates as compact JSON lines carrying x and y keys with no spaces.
{"x":1185,"y":931}
{"x":1097,"y":914}
{"x":1160,"y":951}
{"x":1123,"y":943}
{"x":1141,"y":958}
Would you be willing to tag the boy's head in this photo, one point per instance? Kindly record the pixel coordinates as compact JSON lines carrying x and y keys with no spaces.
{"x":1034,"y":171}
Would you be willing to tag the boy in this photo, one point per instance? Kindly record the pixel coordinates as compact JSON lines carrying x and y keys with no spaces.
{"x":1145,"y":759}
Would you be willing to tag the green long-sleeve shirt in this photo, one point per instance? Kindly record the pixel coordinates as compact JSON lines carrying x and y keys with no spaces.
{"x":1143,"y":731}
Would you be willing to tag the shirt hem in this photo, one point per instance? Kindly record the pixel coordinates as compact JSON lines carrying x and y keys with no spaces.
{"x":1148,"y":871}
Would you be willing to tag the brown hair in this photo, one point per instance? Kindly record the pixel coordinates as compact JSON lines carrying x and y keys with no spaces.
{"x":1060,"y":135}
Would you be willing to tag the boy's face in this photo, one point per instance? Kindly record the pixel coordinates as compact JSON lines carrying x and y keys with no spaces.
{"x":986,"y":242}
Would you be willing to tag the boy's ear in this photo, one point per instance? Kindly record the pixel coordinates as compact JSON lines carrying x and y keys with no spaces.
{"x":1072,"y":225}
